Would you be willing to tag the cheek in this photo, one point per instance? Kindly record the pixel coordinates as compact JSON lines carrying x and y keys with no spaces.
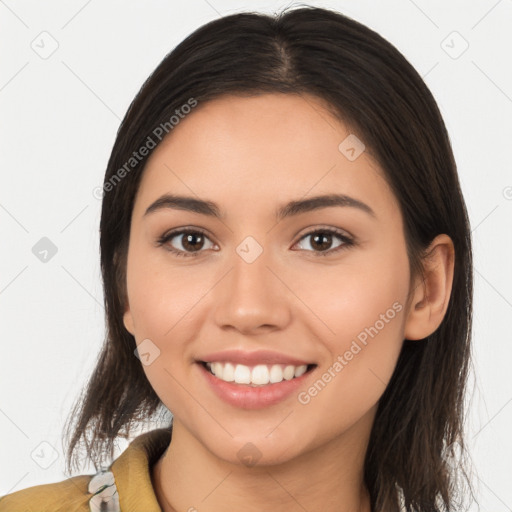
{"x":161,"y":299}
{"x":162,"y":309}
{"x":350,"y":298}
{"x":363,"y":307}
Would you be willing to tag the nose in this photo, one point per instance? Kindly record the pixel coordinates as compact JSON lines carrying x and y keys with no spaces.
{"x":253,"y":296}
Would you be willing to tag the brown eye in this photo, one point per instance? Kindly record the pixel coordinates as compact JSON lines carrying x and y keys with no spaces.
{"x":322,"y":241}
{"x":188,"y":242}
{"x":192,"y":241}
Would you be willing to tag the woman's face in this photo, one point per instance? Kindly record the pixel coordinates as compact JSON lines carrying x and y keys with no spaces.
{"x":252,"y":281}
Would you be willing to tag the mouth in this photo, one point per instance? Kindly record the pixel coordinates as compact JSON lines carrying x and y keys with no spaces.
{"x":258,"y":375}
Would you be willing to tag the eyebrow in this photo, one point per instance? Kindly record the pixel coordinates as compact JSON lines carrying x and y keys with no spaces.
{"x":209,"y":208}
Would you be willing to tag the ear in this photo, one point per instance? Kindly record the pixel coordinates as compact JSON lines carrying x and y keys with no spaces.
{"x":128,"y":321}
{"x":431,"y":293}
{"x":127,"y":315}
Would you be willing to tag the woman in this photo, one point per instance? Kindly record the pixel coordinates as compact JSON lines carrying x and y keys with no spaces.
{"x":286,"y":259}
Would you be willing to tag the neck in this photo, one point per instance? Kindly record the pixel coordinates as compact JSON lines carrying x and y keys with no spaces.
{"x":329,"y":478}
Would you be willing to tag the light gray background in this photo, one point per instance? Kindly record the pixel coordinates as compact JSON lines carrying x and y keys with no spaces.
{"x":59,"y":116}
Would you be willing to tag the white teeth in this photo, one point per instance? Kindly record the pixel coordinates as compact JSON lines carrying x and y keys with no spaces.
{"x":217,"y":369}
{"x":289,"y":372}
{"x":276,"y":373}
{"x":259,"y":375}
{"x":242,"y":374}
{"x":300,"y":370}
{"x":228,"y":373}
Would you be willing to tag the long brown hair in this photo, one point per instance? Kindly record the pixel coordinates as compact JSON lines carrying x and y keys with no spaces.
{"x":417,"y":438}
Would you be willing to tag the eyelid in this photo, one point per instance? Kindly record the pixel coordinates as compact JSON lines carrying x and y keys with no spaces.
{"x":169,"y":235}
{"x":347,"y":239}
{"x":330,"y":229}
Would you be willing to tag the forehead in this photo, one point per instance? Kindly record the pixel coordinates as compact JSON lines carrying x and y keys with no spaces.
{"x":263,"y":124}
{"x":261,"y":149}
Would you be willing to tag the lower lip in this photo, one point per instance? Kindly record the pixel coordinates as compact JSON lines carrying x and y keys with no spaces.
{"x":248,"y":397}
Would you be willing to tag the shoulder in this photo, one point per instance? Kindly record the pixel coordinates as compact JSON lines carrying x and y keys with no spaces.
{"x":128,"y":483}
{"x":70,"y":495}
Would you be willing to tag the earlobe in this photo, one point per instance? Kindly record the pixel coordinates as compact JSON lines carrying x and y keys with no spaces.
{"x":431,"y":293}
{"x":128,"y":321}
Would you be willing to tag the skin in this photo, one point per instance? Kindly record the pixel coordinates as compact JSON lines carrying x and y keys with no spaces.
{"x":250,"y":156}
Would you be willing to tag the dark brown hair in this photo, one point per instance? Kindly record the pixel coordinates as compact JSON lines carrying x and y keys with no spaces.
{"x":365,"y":81}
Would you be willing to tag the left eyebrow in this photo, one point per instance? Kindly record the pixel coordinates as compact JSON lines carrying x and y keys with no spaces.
{"x":324,"y":201}
{"x":292,"y":208}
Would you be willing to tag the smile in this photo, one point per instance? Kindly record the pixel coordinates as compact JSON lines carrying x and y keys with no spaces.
{"x":257,"y":375}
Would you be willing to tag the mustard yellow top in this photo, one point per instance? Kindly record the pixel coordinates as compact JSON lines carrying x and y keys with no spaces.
{"x":132,"y":475}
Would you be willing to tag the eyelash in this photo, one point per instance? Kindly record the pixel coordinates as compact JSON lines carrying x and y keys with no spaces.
{"x":347,"y":241}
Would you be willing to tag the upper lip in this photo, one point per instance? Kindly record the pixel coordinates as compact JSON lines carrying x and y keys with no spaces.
{"x":253,"y":358}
